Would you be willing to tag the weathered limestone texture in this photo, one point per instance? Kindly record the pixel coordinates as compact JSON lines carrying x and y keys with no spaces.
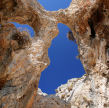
{"x":85,"y":93}
{"x":22,"y":59}
{"x":49,"y":101}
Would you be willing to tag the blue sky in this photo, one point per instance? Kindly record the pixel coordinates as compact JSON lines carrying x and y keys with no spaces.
{"x":62,"y":53}
{"x":53,"y":5}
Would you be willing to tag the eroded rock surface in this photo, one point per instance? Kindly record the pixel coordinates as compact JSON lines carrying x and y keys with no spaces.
{"x":85,"y":93}
{"x":22,"y":59}
{"x":49,"y":101}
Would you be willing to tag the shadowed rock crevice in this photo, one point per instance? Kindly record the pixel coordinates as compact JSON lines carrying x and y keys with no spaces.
{"x":7,"y":7}
{"x":93,"y":34}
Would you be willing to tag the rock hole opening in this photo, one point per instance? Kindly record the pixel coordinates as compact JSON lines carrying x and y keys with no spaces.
{"x":25,"y":27}
{"x":64,"y":64}
{"x":53,"y":5}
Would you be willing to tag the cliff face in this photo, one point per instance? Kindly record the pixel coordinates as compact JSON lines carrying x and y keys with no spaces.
{"x":22,"y":59}
{"x":85,"y":93}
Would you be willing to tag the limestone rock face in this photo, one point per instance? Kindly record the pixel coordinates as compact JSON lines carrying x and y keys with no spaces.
{"x":22,"y":59}
{"x":49,"y":101}
{"x":85,"y":93}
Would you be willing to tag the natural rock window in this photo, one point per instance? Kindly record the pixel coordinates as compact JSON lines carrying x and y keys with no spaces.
{"x":24,"y":27}
{"x":54,"y":4}
{"x":60,"y":54}
{"x":64,"y":64}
